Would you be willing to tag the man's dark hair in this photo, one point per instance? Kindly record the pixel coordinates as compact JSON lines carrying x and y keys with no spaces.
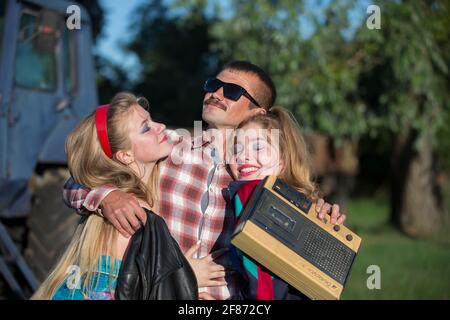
{"x":266,"y":95}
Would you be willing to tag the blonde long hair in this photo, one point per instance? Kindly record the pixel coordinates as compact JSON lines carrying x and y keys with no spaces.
{"x":90,"y":167}
{"x":294,"y":152}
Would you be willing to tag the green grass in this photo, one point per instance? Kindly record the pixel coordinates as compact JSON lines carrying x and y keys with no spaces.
{"x":410,"y":268}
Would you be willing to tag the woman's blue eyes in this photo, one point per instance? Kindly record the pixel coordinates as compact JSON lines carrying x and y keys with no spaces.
{"x":145,"y":128}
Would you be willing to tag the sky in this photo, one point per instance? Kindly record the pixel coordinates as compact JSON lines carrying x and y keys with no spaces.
{"x":117,"y":18}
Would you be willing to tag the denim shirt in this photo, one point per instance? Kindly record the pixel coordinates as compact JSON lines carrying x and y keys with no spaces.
{"x":103,"y":283}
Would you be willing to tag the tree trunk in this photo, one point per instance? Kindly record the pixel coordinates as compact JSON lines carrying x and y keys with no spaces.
{"x":416,"y":201}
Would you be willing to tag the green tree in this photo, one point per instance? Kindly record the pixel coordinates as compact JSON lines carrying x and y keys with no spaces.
{"x":406,"y":80}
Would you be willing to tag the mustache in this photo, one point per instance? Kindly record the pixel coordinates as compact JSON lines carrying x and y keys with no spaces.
{"x":216,"y":103}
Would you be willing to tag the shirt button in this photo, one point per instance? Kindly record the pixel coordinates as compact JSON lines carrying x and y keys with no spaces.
{"x":210,"y":189}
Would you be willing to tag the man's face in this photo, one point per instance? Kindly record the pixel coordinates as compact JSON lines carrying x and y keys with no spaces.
{"x":220,"y":112}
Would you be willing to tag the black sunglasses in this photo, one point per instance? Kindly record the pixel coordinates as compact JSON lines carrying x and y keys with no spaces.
{"x":230,"y":90}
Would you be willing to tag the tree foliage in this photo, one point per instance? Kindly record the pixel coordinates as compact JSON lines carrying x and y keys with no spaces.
{"x":347,"y":80}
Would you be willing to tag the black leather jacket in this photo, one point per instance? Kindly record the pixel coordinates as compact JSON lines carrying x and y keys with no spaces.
{"x":154,"y":267}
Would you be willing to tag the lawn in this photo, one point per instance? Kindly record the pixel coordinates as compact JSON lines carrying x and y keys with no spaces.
{"x":410,"y":268}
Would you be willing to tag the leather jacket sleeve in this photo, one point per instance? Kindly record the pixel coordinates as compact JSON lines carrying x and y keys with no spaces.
{"x":154,"y":267}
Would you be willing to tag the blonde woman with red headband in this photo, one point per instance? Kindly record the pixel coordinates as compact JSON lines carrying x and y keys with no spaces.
{"x":119,"y":144}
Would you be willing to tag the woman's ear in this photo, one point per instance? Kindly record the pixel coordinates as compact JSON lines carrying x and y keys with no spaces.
{"x":125,"y":157}
{"x":259,"y":111}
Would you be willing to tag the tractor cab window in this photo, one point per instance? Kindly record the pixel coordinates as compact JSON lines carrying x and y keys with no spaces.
{"x":35,"y":53}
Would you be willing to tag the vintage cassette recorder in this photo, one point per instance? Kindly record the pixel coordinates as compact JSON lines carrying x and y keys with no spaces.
{"x":280,"y":229}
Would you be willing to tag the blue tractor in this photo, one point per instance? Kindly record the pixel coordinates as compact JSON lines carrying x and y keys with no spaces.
{"x":47,"y":84}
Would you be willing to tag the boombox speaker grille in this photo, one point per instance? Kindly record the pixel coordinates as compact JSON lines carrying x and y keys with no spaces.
{"x":327,"y":253}
{"x":303,"y":236}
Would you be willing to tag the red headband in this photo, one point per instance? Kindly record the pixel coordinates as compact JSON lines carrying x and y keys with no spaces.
{"x":101,"y":117}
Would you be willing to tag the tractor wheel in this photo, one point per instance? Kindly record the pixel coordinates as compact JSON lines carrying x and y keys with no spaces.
{"x":51,"y":224}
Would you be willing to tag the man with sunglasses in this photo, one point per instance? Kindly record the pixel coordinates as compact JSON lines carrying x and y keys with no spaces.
{"x":192,"y":199}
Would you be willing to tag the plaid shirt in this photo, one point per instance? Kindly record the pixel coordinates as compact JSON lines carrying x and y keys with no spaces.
{"x":194,"y":202}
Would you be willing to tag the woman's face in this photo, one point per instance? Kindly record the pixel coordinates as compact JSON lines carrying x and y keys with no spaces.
{"x":255,"y":156}
{"x":149,"y":142}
